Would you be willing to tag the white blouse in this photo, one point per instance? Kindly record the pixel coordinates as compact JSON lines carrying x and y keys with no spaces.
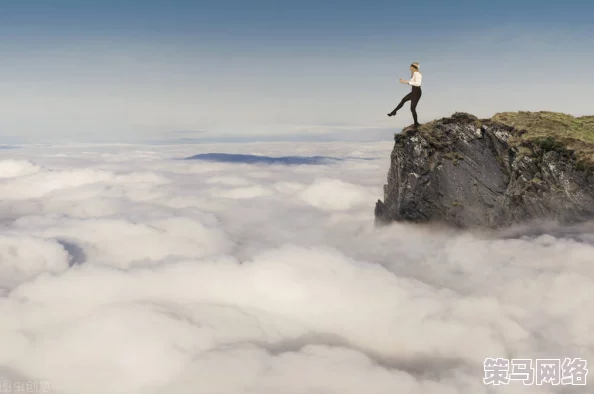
{"x":416,"y":79}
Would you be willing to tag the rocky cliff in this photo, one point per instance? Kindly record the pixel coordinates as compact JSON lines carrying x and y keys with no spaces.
{"x":511,"y":168}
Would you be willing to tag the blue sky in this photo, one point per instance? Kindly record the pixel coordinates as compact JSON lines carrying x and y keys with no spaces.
{"x":142,"y":70}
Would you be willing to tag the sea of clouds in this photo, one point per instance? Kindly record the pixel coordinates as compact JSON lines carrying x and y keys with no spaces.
{"x":124,"y":269}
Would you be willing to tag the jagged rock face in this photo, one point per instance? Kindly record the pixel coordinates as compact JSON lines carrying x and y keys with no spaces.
{"x":463,"y":172}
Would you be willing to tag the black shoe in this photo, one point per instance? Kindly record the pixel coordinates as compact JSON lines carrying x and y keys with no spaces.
{"x":392,"y":113}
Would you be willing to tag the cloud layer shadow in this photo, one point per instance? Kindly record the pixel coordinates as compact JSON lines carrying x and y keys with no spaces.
{"x":77,"y":254}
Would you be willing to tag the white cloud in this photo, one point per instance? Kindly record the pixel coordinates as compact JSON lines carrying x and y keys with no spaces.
{"x":336,"y":195}
{"x":14,"y":168}
{"x":125,"y":271}
{"x":23,"y":257}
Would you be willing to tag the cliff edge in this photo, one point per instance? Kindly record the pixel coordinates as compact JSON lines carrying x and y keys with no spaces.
{"x":514,"y":167}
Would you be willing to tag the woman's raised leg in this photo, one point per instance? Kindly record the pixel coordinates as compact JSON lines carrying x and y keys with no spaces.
{"x":404,"y":100}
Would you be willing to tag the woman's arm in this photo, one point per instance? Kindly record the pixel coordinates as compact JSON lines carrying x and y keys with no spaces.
{"x":414,"y":81}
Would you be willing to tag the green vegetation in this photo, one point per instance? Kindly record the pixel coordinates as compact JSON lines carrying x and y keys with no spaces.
{"x":588,"y":120}
{"x":454,"y":157}
{"x":524,"y":151}
{"x":533,"y":131}
{"x":434,"y":134}
{"x":552,"y":131}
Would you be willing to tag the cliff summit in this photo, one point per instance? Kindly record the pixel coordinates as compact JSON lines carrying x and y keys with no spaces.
{"x":514,"y":167}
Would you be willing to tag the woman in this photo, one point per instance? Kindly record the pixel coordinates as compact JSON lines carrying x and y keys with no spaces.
{"x":414,"y":95}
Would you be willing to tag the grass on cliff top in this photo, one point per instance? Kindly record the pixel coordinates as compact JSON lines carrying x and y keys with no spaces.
{"x":552,"y":130}
{"x":549,"y":130}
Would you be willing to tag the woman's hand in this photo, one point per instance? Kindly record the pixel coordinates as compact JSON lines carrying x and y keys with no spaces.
{"x":403,"y":80}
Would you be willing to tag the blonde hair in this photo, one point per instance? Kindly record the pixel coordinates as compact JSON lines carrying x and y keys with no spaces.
{"x":415,"y":67}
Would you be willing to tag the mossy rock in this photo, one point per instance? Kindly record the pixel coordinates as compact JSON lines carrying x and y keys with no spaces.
{"x":552,"y":131}
{"x":454,"y":157}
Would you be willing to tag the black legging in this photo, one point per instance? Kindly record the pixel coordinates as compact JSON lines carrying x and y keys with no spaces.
{"x":414,"y":96}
